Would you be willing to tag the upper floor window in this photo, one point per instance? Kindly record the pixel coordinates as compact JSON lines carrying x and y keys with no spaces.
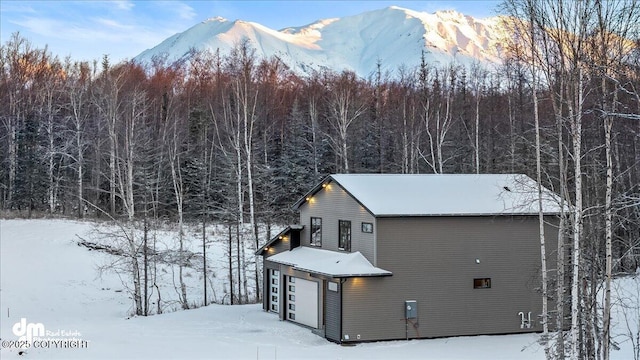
{"x":482,"y":283}
{"x":344,"y":235}
{"x":316,"y":231}
{"x":367,"y":227}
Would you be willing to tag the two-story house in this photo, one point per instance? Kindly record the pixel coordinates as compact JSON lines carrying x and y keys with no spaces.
{"x":381,"y":256}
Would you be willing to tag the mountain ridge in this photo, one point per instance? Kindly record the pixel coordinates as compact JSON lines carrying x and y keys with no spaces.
{"x":394,"y":37}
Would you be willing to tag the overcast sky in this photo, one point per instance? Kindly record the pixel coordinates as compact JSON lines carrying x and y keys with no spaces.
{"x":86,"y":30}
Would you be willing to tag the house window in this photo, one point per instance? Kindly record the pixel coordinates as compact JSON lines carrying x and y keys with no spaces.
{"x":344,"y":235}
{"x":316,"y":231}
{"x":367,"y":227}
{"x":482,"y":283}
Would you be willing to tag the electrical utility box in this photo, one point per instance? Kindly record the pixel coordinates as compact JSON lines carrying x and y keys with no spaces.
{"x":411,"y":309}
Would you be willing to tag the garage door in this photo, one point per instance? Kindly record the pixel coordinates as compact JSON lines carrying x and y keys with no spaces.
{"x":302,"y":305}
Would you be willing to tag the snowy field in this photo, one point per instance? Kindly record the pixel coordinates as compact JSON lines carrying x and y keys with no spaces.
{"x":46,"y":278}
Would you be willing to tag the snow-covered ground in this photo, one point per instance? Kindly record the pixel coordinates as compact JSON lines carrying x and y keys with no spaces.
{"x":46,"y":278}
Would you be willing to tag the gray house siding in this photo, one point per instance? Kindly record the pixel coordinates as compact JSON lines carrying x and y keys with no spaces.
{"x":433,"y":260}
{"x":333,"y":315}
{"x":333,"y":204}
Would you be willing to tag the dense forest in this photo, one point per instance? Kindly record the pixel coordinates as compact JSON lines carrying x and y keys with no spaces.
{"x":84,"y":139}
{"x":236,"y":139}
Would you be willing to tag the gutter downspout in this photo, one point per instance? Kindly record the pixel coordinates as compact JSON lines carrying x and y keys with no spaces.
{"x":342,"y":281}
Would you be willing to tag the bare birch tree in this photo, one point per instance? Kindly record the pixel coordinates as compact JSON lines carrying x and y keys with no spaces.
{"x":541,"y":220}
{"x":78,"y":92}
{"x":610,"y":48}
{"x":479,"y":76}
{"x":343,"y":111}
{"x":175,"y":163}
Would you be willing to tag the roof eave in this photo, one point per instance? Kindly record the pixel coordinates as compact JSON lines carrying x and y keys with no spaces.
{"x":464,"y":214}
{"x":366,"y":208}
{"x":319,"y":186}
{"x":338,"y":276}
{"x":346,"y":276}
{"x":310,"y":193}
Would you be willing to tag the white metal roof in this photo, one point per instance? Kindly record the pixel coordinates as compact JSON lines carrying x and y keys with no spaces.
{"x":326,"y":262}
{"x":447,"y":194}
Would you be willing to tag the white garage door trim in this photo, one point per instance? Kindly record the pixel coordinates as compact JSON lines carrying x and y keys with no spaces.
{"x":303,"y":305}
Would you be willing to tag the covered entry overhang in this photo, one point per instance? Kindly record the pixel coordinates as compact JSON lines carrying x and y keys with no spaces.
{"x":328,"y":263}
{"x":287,"y":239}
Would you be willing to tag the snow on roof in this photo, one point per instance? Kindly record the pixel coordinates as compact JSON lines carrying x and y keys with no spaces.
{"x":326,"y":262}
{"x":447,"y":194}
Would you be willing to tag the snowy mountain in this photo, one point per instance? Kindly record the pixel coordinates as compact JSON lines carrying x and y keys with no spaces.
{"x":393,"y":36}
